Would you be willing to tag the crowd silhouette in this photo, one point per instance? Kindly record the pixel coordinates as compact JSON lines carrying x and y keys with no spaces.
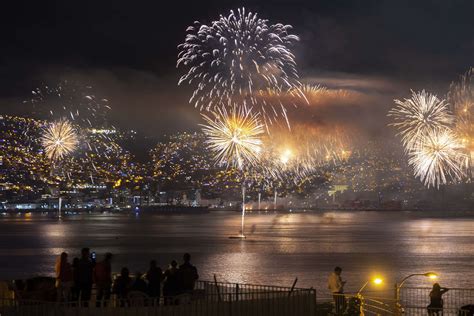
{"x":75,"y":281}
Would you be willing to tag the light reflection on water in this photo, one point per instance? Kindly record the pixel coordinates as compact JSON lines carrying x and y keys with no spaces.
{"x":279,"y":247}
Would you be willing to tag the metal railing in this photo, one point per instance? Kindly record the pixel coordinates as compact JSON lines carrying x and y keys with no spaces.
{"x":231,"y":299}
{"x":209,"y":298}
{"x":354,"y":304}
{"x":243,"y":290}
{"x":415,"y":300}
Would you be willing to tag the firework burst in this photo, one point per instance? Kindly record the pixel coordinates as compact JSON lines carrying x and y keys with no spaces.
{"x":80,"y":105}
{"x":419,"y":116}
{"x":233,"y":58}
{"x":298,"y":155}
{"x":461,"y":95}
{"x":318,"y":94}
{"x":235,"y":137}
{"x":59,"y":139}
{"x":461,"y":98}
{"x":312,"y":89}
{"x":437,"y":157}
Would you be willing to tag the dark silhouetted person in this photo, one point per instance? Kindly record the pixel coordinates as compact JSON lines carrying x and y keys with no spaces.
{"x":85,"y":270}
{"x":154,"y":277}
{"x":122,"y":286}
{"x":103,"y":279}
{"x":336,"y":286}
{"x":436,"y":300}
{"x":188,"y":275}
{"x":75,"y":279}
{"x":171,"y":284}
{"x":64,"y":278}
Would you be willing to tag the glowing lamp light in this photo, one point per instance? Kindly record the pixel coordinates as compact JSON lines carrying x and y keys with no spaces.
{"x":431,"y":275}
{"x":378,"y":281}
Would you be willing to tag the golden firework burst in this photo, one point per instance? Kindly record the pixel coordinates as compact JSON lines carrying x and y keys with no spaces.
{"x":234,"y":137}
{"x":59,"y":139}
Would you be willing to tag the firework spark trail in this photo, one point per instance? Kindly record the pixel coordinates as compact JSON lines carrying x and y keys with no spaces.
{"x":437,"y":157}
{"x":317,"y":94}
{"x":72,"y":100}
{"x":461,"y":95}
{"x":283,"y":163}
{"x":77,"y":102}
{"x":461,"y":98}
{"x":418,"y":116}
{"x":235,"y":137}
{"x":82,"y":107}
{"x":311,"y":89}
{"x":233,"y":58}
{"x":301,"y":153}
{"x":59,"y":139}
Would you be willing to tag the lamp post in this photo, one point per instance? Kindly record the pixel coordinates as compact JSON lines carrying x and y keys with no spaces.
{"x":275,"y":201}
{"x":376,"y":281}
{"x":60,"y":201}
{"x":259,"y":198}
{"x":398,"y":286}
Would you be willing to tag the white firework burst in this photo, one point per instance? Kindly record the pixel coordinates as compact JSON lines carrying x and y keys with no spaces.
{"x":420,"y":115}
{"x":229,"y":61}
{"x":438,"y":157}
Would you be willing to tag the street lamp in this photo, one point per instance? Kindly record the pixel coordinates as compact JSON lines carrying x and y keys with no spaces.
{"x":376,"y":281}
{"x":398,"y":286}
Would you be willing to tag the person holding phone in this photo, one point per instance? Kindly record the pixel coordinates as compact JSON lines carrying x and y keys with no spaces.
{"x":336,"y":286}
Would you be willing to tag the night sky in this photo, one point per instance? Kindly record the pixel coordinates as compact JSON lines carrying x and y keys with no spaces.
{"x":127,"y":50}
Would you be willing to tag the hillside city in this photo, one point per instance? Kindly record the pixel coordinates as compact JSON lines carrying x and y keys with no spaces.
{"x":179,"y":171}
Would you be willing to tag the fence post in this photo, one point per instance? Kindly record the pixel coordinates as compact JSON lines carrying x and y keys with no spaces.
{"x":237,"y":292}
{"x":293,"y":287}
{"x":315,"y":302}
{"x":398,"y":305}
{"x":217,"y":288}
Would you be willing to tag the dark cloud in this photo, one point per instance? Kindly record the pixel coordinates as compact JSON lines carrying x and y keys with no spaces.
{"x":375,"y":49}
{"x":139,"y":100}
{"x":356,"y":102}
